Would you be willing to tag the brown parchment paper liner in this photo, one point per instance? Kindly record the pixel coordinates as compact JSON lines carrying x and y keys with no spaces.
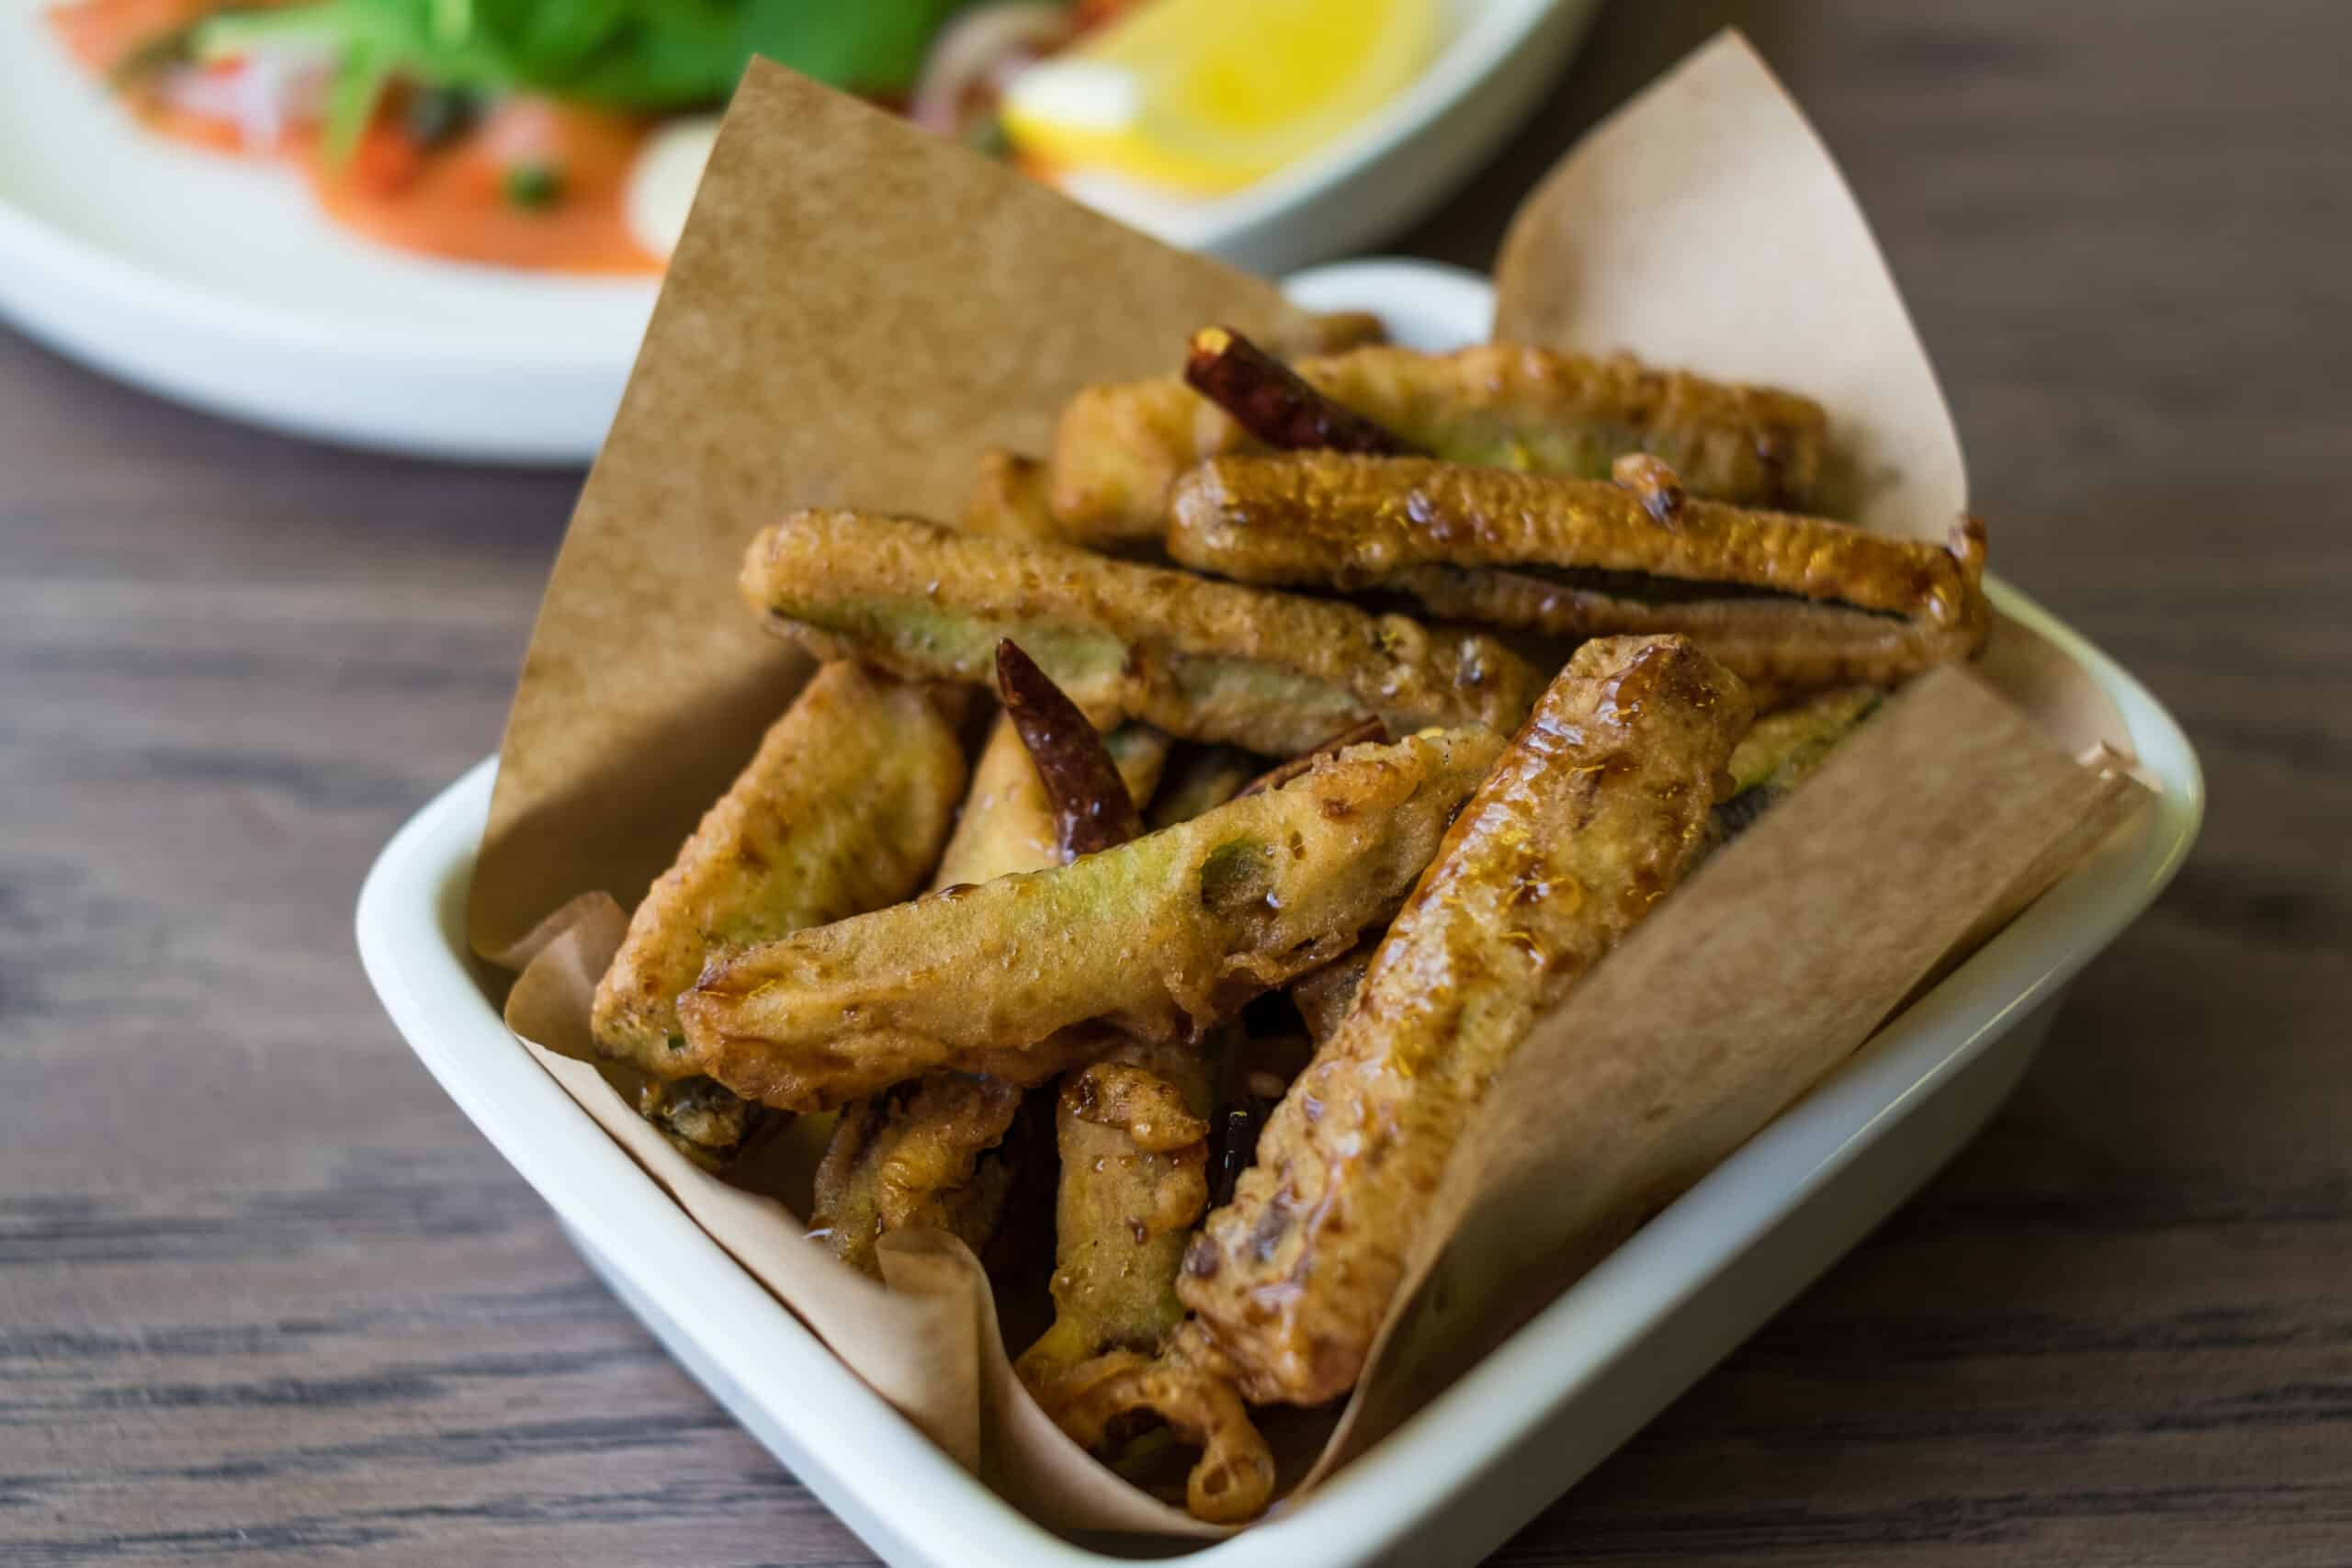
{"x":857,"y":310}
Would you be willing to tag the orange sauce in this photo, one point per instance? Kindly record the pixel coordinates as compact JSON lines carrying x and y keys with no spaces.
{"x":454,"y":201}
{"x":102,"y":34}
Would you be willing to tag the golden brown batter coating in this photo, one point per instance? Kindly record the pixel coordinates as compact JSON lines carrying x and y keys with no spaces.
{"x":1592,"y":816}
{"x":1636,"y":557}
{"x":1174,"y":931}
{"x":1274,"y":673}
{"x":1351,"y":522}
{"x":1118,"y":446}
{"x":1783,"y":750}
{"x":704,"y":1121}
{"x":1330,"y":332}
{"x":1007,"y":826}
{"x":1132,"y":1128}
{"x":1780,"y":647}
{"x":1008,"y":500}
{"x":843,"y":809}
{"x":911,"y":1158}
{"x":1235,"y":1477}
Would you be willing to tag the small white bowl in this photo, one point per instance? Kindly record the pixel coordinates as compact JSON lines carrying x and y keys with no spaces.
{"x":1455,"y":1482}
{"x":218,"y":282}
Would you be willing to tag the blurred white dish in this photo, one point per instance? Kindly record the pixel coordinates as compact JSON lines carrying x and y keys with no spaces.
{"x":216,"y":281}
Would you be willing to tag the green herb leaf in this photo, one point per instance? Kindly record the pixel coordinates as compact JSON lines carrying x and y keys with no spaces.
{"x":534,"y":186}
{"x":647,"y":55}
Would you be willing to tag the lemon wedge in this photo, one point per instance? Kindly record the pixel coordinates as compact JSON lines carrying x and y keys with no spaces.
{"x":1205,"y":96}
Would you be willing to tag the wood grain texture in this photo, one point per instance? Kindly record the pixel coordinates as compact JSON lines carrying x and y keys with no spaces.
{"x":265,"y":1298}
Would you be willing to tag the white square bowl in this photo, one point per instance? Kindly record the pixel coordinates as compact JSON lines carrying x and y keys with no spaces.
{"x":1467,"y":1471}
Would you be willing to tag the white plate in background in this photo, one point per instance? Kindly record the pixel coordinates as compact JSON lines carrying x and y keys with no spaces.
{"x":217,"y":281}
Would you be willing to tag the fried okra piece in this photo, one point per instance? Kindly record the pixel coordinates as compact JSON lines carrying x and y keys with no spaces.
{"x":1154,"y":938}
{"x":1007,"y":826}
{"x":841,"y":810}
{"x":1783,"y":599}
{"x":1008,"y":500}
{"x":1205,"y":660}
{"x":1233,"y":1478}
{"x":1371,"y":733}
{"x":1330,"y":332}
{"x":1133,"y":1134}
{"x":1133,"y":1130}
{"x":1594,"y":813}
{"x":1131,"y":1127}
{"x":1118,"y":446}
{"x":703,"y":1119}
{"x":913,"y":1157}
{"x":1784,"y":749}
{"x":1779,"y":752}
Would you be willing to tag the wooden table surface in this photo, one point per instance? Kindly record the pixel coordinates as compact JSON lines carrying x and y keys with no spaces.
{"x":266,"y":1297}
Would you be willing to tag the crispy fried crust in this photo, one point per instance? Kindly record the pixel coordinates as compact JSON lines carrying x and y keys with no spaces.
{"x":1782,"y":647}
{"x":1593,"y":814}
{"x":1006,"y":827}
{"x":1208,"y":660}
{"x":1371,"y":733}
{"x":703,"y":1120}
{"x":1117,"y":446}
{"x":1158,"y":936}
{"x":1783,"y":750}
{"x":1131,"y":1128}
{"x":841,"y":810}
{"x":1008,"y":500}
{"x":1469,"y":544}
{"x":1330,"y":332}
{"x":1133,"y":1131}
{"x":912,"y":1158}
{"x":1233,"y":1478}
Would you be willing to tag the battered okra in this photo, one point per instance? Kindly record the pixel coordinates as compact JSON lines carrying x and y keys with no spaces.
{"x":928,"y":1153}
{"x":915,"y":1155}
{"x":1594,"y":813}
{"x":1206,"y":660}
{"x":1167,"y":934}
{"x":1008,"y":500}
{"x":1784,"y":749}
{"x":1118,"y":446}
{"x":843,"y":809}
{"x":1783,"y":599}
{"x":703,"y":1120}
{"x":1133,"y":1130}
